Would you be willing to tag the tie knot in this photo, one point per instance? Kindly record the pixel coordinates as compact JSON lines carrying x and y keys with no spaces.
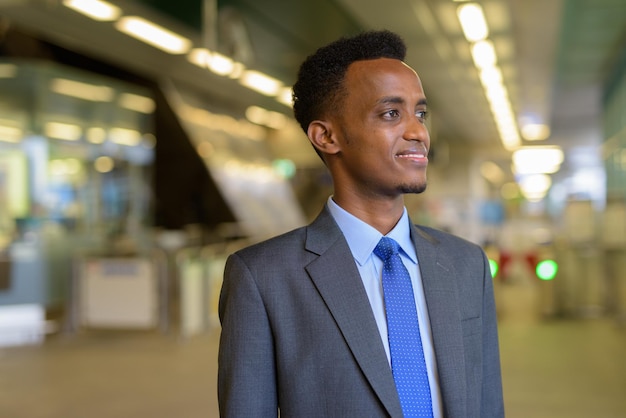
{"x":385,"y":248}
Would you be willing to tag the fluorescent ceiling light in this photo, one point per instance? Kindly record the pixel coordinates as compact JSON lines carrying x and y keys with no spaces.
{"x":497,"y":97}
{"x":64,"y":131}
{"x":535,"y":187}
{"x":508,"y":130}
{"x":260,"y":116}
{"x":535,"y":131}
{"x":94,"y":9}
{"x":475,"y":29}
{"x":220,"y":64}
{"x":491,"y":76}
{"x":238,"y":70}
{"x":96,"y":135}
{"x":153,"y":34}
{"x":199,"y":57}
{"x":256,"y":114}
{"x":484,"y":54}
{"x":285,"y":96}
{"x":223,"y":65}
{"x":216,"y":122}
{"x":276,"y":120}
{"x":81,"y":90}
{"x":260,"y":82}
{"x":473,"y":22}
{"x":141,"y":104}
{"x":216,"y":62}
{"x":504,"y":116}
{"x":510,"y":140}
{"x":536,"y":169}
{"x":10,"y":134}
{"x":537,"y":159}
{"x":123,"y":136}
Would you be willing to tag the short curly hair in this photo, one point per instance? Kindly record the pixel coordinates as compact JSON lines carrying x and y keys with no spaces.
{"x":319,"y":86}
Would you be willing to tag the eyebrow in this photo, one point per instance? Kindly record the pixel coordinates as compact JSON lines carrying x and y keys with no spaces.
{"x":399,"y":100}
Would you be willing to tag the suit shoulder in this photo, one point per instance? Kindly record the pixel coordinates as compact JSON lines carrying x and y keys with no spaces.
{"x":445,"y":238}
{"x":274,"y":246}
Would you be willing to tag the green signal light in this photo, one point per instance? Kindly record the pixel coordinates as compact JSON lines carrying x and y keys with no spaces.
{"x":493,"y":266}
{"x":285,"y":168}
{"x":547,"y":269}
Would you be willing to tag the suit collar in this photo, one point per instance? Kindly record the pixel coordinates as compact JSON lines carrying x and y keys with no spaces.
{"x":341,"y":288}
{"x":340,"y":285}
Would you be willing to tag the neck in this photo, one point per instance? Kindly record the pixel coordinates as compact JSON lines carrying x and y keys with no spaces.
{"x":381,"y":214}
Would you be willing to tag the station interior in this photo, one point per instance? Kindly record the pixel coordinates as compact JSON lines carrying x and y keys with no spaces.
{"x":143,"y":141}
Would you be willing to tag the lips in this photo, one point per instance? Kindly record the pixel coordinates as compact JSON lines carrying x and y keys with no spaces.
{"x":411,"y":154}
{"x":418,"y":153}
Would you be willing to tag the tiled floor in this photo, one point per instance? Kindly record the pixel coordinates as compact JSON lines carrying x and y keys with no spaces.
{"x":560,"y":368}
{"x":552,"y":369}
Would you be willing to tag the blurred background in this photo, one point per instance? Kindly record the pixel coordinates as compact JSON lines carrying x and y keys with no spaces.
{"x":141,"y":142}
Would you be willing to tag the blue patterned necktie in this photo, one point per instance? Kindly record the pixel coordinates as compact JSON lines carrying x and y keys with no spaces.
{"x":407,"y":355}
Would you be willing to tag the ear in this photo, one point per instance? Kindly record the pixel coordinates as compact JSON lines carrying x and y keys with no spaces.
{"x":321,"y":135}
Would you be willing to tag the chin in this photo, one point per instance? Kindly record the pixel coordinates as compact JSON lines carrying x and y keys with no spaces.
{"x":413,"y":188}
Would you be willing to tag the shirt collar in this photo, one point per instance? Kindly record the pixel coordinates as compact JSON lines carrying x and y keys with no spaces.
{"x":363,"y":238}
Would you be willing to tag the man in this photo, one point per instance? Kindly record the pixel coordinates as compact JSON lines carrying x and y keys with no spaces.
{"x":306,"y":323}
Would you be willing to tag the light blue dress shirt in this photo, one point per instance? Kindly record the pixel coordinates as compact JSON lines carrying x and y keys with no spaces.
{"x":362,"y":239}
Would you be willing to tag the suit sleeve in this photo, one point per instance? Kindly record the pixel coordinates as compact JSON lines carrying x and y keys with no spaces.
{"x":246,"y":365}
{"x":492,"y":405}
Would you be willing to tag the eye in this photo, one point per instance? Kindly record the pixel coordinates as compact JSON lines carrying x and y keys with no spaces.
{"x":391,"y":114}
{"x":421,"y":114}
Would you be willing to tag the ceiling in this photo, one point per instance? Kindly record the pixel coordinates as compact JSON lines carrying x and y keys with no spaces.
{"x":556,"y":55}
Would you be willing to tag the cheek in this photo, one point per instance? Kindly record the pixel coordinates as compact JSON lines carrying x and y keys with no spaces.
{"x":366,"y":141}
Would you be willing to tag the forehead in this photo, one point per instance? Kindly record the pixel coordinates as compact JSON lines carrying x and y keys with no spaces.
{"x":383,"y":77}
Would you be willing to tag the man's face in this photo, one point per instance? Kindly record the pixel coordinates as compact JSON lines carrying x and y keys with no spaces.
{"x":381,"y":130}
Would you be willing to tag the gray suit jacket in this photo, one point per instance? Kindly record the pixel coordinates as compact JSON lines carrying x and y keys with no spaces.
{"x":298,"y":332}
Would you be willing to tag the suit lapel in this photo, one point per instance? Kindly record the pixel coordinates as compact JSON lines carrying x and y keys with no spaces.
{"x":442,"y":300}
{"x":338,"y":281}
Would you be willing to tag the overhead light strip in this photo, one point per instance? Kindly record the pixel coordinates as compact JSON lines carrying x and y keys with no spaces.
{"x":153,"y":34}
{"x":94,"y":9}
{"x":261,"y":83}
{"x":538,"y":160}
{"x":11,"y":134}
{"x":80,"y":90}
{"x":476,"y":31}
{"x":123,"y":136}
{"x":173,"y":43}
{"x":137,"y":103}
{"x":473,"y":22}
{"x":64,"y":131}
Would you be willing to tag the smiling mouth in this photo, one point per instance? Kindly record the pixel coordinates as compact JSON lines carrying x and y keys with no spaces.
{"x":414,"y":154}
{"x":417,"y":151}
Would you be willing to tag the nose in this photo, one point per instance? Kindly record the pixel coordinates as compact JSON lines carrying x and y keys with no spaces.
{"x":416,"y":130}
